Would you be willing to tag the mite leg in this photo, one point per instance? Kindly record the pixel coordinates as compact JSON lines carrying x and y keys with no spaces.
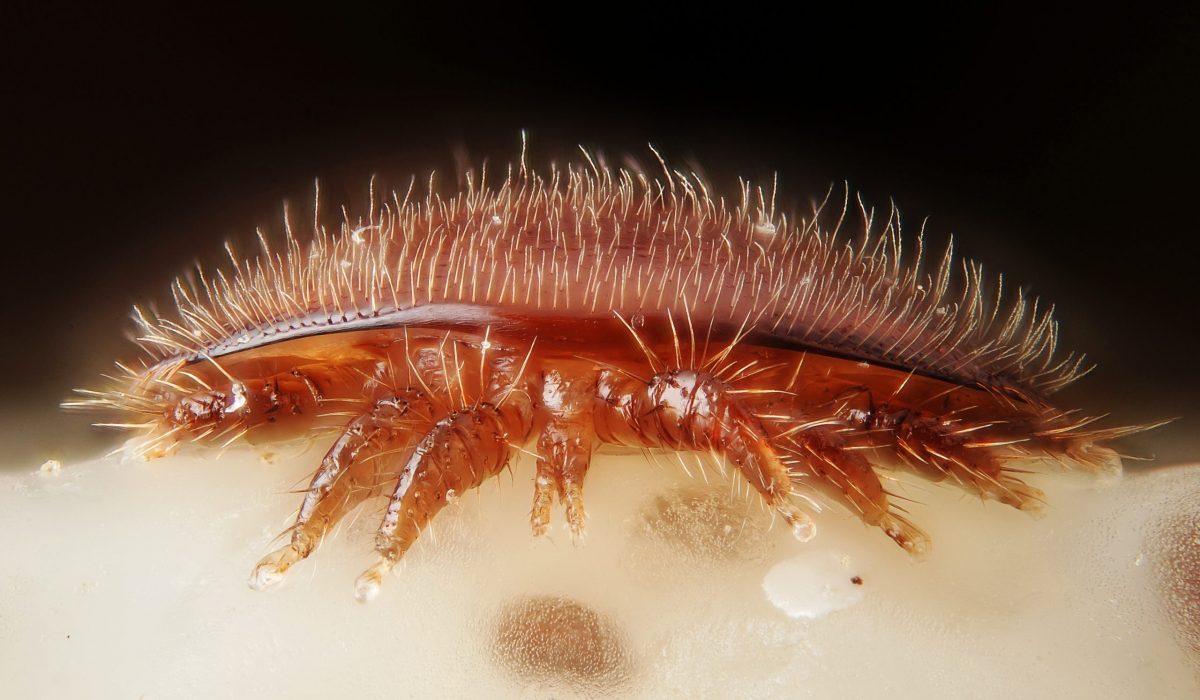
{"x":564,"y":450}
{"x":1074,"y":441}
{"x":822,"y":454}
{"x":967,"y":453}
{"x":354,"y":469}
{"x":458,"y":453}
{"x":693,"y":410}
{"x":275,"y":407}
{"x":544,"y":482}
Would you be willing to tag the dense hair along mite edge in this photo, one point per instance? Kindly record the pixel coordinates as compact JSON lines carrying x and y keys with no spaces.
{"x":557,"y":312}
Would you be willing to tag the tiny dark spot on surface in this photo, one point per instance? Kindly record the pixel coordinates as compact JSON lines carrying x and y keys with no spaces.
{"x":857,"y":580}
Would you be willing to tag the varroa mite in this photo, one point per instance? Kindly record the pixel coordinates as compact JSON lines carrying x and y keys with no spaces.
{"x":590,"y":306}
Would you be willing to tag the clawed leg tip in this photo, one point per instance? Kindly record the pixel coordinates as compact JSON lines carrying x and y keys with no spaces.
{"x":915,"y":542}
{"x":264,"y":578}
{"x":366,"y":588}
{"x":272,"y":569}
{"x":266,"y":575}
{"x":541,"y":528}
{"x":1035,"y":509}
{"x":802,"y":526}
{"x":918,"y":550}
{"x":577,"y":526}
{"x":804,"y":530}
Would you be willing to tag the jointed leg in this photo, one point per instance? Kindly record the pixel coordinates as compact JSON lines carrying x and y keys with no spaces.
{"x":820,"y":453}
{"x":693,"y":410}
{"x":354,"y":469}
{"x":222,"y":410}
{"x":564,"y":450}
{"x":966,"y":454}
{"x":459,"y":453}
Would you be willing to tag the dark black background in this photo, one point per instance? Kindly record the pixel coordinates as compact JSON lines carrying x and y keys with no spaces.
{"x":1058,"y":146}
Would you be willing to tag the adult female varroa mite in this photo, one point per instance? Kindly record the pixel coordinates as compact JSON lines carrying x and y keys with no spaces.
{"x":593,"y":307}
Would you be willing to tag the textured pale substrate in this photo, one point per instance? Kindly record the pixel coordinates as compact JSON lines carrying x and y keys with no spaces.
{"x":129,"y":580}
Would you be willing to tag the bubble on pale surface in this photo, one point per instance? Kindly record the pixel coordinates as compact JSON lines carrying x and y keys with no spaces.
{"x":122,"y":580}
{"x":555,"y":642}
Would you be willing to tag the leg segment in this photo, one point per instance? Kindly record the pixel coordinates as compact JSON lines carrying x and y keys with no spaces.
{"x":354,"y":469}
{"x":822,"y":453}
{"x":276,"y":407}
{"x":693,"y":410}
{"x":564,"y":450}
{"x":460,"y":452}
{"x":965,"y":452}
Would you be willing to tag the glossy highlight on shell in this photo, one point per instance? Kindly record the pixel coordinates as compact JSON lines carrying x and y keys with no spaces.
{"x":560,"y":313}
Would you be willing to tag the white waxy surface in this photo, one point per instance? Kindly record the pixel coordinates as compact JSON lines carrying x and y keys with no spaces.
{"x":129,"y":580}
{"x":813,"y":584}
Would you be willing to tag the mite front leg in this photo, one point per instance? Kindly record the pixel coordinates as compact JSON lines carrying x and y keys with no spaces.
{"x":564,"y":450}
{"x":275,"y":407}
{"x":693,"y":410}
{"x":459,"y":453}
{"x":353,"y":470}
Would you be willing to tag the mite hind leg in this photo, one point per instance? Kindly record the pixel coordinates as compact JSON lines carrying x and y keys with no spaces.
{"x":460,"y":452}
{"x":693,"y":410}
{"x":354,"y":469}
{"x":967,"y":454}
{"x":821,"y":454}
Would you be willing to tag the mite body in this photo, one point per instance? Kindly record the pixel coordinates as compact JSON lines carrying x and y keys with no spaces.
{"x":595,"y":307}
